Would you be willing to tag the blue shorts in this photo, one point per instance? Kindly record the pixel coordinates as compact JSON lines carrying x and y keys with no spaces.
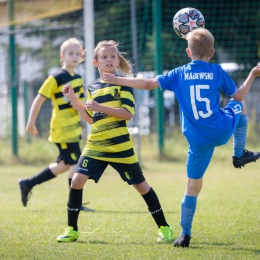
{"x":199,"y":156}
{"x":131,"y":173}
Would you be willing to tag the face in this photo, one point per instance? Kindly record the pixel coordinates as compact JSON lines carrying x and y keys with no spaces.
{"x":108,"y":60}
{"x":71,"y":56}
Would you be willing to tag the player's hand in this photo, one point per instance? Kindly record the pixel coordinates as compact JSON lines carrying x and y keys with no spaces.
{"x":110,"y":78}
{"x":68,"y":91}
{"x":31,"y":129}
{"x":256,"y":71}
{"x":93,"y":105}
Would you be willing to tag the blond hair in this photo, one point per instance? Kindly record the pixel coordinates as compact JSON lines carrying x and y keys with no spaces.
{"x":69,"y":42}
{"x":124,"y":65}
{"x":200,"y":42}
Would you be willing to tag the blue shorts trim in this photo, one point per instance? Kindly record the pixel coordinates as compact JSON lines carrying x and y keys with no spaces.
{"x":233,"y":110}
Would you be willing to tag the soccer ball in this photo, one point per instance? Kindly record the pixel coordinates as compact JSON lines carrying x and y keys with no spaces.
{"x":186,"y":20}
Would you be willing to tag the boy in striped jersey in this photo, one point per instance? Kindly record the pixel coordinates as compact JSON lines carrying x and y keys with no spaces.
{"x":108,"y":110}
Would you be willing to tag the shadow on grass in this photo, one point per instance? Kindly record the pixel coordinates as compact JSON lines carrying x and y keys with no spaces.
{"x":92,"y":242}
{"x":104,"y":211}
{"x":203,"y":245}
{"x":227,"y":246}
{"x":96,"y":242}
{"x":124,"y":212}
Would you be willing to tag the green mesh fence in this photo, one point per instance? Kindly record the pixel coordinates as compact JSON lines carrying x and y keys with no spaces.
{"x":40,"y":31}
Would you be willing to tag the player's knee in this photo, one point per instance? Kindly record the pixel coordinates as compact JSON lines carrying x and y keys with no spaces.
{"x":58,"y":168}
{"x":76,"y":184}
{"x":79,"y":181}
{"x":194,"y":187}
{"x":142,"y":187}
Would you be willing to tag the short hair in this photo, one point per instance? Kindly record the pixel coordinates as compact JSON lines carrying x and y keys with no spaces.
{"x":124,"y":66}
{"x":200,"y":42}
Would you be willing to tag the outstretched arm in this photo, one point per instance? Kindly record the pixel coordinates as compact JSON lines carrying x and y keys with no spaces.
{"x":68,"y":92}
{"x":112,"y":111}
{"x":242,"y":91}
{"x":140,"y":83}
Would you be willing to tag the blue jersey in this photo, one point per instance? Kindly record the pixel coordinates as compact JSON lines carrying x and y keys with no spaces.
{"x":197,"y":86}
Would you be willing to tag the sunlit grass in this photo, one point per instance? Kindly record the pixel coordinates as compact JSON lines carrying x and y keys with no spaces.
{"x":226,"y":224}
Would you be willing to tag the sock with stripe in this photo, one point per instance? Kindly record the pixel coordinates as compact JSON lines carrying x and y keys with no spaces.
{"x":188,"y":208}
{"x":239,"y":136}
{"x":73,"y":207}
{"x":155,"y":208}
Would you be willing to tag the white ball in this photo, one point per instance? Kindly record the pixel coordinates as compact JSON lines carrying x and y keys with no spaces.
{"x":186,"y":20}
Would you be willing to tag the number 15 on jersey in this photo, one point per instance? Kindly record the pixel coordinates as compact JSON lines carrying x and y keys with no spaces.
{"x":195,"y":95}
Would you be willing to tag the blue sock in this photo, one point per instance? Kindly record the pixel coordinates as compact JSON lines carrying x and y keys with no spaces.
{"x":188,"y":208}
{"x":239,"y":136}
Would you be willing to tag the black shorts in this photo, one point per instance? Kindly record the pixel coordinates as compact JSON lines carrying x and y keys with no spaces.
{"x":131,"y":173}
{"x":69,"y":153}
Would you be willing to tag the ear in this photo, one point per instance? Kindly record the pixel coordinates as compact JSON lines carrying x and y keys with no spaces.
{"x":95,"y":63}
{"x":188,"y":52}
{"x":212,"y":53}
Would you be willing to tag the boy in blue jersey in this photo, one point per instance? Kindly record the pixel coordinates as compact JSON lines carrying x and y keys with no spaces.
{"x":204,"y":123}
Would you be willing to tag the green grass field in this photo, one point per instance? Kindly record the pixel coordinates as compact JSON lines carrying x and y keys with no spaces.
{"x":226,"y":224}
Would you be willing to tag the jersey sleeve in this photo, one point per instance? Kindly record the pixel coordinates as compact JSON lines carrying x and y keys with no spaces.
{"x":127,"y":99}
{"x":167,"y":81}
{"x":228,"y":85}
{"x":48,"y":87}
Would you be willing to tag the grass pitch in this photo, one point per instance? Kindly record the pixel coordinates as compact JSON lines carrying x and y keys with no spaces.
{"x":226,"y":223}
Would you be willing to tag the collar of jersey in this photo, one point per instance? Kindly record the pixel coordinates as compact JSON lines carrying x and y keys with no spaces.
{"x":199,"y":61}
{"x":73,"y":74}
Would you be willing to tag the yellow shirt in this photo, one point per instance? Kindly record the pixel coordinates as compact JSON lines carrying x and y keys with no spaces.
{"x":109,"y":139}
{"x":65,"y":125}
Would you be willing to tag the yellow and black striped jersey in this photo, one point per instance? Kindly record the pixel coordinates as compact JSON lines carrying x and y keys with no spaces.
{"x":65,"y":125}
{"x":109,"y":139}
